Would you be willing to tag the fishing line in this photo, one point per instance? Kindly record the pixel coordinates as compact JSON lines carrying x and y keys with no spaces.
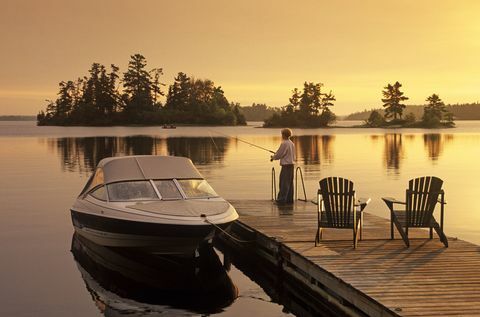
{"x":249,"y":143}
{"x":215,"y":144}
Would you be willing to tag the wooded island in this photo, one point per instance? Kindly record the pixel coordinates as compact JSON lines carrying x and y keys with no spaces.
{"x":96,"y":100}
{"x":310,"y":109}
{"x":435,"y":114}
{"x":306,"y":109}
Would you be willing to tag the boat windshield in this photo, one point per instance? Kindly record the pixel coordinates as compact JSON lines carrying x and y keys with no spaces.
{"x":94,"y":180}
{"x":128,"y":191}
{"x":197,"y":188}
{"x":168,"y":190}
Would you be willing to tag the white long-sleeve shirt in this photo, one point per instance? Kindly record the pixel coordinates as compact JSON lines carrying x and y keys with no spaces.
{"x":285,"y":153}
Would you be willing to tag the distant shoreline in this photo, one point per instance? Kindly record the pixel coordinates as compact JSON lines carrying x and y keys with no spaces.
{"x":365,"y":127}
{"x":34,"y":118}
{"x":18,"y":118}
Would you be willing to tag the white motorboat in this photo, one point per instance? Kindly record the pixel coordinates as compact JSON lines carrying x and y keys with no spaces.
{"x":157,"y":202}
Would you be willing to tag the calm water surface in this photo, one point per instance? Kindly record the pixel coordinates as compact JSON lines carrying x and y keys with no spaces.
{"x":42,"y":170}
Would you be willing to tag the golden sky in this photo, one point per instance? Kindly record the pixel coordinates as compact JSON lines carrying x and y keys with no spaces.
{"x":258,"y":51}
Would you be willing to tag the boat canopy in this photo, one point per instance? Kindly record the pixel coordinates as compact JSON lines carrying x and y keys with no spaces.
{"x":141,"y":167}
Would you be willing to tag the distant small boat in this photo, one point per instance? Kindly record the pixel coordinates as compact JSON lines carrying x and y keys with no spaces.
{"x":157,"y":202}
{"x":171,"y":126}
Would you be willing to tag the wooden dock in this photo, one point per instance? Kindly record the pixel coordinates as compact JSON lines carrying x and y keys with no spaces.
{"x":380,"y":278}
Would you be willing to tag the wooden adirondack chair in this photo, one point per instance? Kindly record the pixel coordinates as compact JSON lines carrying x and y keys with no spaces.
{"x":338,"y":208}
{"x":422,"y":196}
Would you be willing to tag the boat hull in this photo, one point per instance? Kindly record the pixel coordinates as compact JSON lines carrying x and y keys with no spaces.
{"x":155,"y":237}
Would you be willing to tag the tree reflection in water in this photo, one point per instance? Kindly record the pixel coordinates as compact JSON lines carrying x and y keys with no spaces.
{"x":434,"y":144}
{"x":199,"y":150}
{"x":314,"y":149}
{"x":83,"y":154}
{"x":393,"y":152}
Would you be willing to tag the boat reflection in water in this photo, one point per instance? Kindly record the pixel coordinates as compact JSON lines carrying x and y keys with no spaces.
{"x":136,"y":283}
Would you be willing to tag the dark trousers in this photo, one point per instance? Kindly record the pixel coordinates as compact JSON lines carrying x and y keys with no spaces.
{"x":285,"y":194}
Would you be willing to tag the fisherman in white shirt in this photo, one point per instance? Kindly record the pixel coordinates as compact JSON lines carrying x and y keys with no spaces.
{"x":286,"y":155}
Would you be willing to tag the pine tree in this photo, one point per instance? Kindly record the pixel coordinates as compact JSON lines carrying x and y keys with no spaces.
{"x":50,"y":110}
{"x":294,"y":104}
{"x":156,"y":84}
{"x":65,"y":101}
{"x":392,"y":100}
{"x":178,"y":96}
{"x":434,"y":111}
{"x":327,"y":101}
{"x":312,"y":99}
{"x":137,"y":83}
{"x":113,"y":100}
{"x":316,"y":95}
{"x":436,"y":107}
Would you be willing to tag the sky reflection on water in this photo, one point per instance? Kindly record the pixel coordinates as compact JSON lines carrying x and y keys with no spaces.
{"x":379,"y":164}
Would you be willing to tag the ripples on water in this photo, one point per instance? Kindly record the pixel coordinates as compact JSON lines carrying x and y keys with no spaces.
{"x":44,"y":168}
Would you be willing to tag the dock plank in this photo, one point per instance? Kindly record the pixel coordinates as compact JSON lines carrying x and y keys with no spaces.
{"x":426,"y":279}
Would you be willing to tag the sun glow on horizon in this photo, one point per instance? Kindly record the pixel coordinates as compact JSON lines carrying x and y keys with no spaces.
{"x":257,"y":52}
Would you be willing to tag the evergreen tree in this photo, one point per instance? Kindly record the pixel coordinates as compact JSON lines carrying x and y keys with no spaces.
{"x":435,"y":107}
{"x":310,"y":100}
{"x":294,"y":104}
{"x":316,"y":98}
{"x":109,"y":97}
{"x":137,"y":83}
{"x":51,"y":108}
{"x":392,"y":100}
{"x":327,"y":101}
{"x":77,"y":94}
{"x":156,"y":84}
{"x":97,"y":96}
{"x":178,"y":97}
{"x":65,"y":101}
{"x":311,"y":108}
{"x":89,"y":110}
{"x":434,"y":111}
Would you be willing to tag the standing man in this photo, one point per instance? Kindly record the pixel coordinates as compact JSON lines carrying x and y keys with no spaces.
{"x":286,"y":155}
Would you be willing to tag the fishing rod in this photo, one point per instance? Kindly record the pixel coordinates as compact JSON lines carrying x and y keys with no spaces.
{"x":249,"y":143}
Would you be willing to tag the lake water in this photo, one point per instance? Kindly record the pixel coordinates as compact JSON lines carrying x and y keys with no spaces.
{"x":42,"y":170}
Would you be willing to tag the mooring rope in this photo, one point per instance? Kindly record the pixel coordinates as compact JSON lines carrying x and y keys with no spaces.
{"x":226,"y":233}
